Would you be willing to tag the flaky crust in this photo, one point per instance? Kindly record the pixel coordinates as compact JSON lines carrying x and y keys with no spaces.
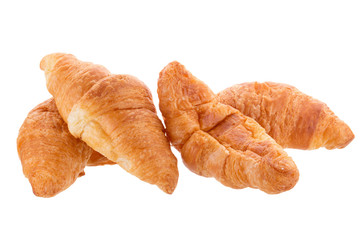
{"x":52,"y":159}
{"x":292,"y":118}
{"x":113,"y":114}
{"x":216,"y":140}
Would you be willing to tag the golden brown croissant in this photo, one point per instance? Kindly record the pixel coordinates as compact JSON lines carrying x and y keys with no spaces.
{"x":52,"y":159}
{"x":113,"y":114}
{"x":216,"y":140}
{"x":293,"y":119}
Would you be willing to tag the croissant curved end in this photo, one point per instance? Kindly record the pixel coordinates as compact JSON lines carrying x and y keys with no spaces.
{"x":49,"y":60}
{"x":44,"y":185}
{"x":282,"y":175}
{"x":336,"y":135}
{"x":167,"y":182}
{"x":341,"y":135}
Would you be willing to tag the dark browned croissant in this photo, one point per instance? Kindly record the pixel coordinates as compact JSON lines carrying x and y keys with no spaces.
{"x":113,"y":114}
{"x":293,"y":119}
{"x":216,"y":140}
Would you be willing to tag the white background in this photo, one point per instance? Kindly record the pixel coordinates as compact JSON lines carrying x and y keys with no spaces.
{"x":313,"y":45}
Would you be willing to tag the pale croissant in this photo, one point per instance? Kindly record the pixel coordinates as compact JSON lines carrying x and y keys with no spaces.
{"x":114,"y":115}
{"x":292,"y":118}
{"x":216,"y":140}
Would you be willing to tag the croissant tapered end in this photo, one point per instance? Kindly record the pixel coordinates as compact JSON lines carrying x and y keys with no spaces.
{"x":282,"y":175}
{"x":68,"y":79}
{"x":50,"y":60}
{"x":175,"y":75}
{"x":333,"y":133}
{"x":45,"y":185}
{"x":345,"y":136}
{"x":273,"y":173}
{"x":167,"y":182}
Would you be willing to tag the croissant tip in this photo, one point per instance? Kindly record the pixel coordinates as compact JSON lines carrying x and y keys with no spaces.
{"x":345,"y":144}
{"x":346,"y":141}
{"x":168,"y":183}
{"x":46,"y":60}
{"x":284,"y":175}
{"x":350,"y":139}
{"x":167,"y":189}
{"x":350,"y":136}
{"x":43,"y":63}
{"x":172,"y":66}
{"x":340,"y":135}
{"x":43,"y":185}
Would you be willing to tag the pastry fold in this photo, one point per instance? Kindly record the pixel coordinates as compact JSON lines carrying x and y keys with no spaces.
{"x":292,"y":118}
{"x":216,"y":140}
{"x":114,"y":115}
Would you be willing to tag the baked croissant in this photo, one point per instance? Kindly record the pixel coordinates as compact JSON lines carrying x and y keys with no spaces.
{"x":293,"y":119}
{"x":114,"y":115}
{"x":52,"y":159}
{"x":216,"y":140}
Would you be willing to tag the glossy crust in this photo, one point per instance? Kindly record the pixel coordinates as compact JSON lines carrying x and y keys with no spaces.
{"x":113,"y":114}
{"x":52,"y":159}
{"x":216,"y":140}
{"x":292,"y":118}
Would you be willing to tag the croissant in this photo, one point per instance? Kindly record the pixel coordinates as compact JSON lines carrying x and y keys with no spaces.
{"x":52,"y":159}
{"x":292,"y":118}
{"x":114,"y":115}
{"x":216,"y":140}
